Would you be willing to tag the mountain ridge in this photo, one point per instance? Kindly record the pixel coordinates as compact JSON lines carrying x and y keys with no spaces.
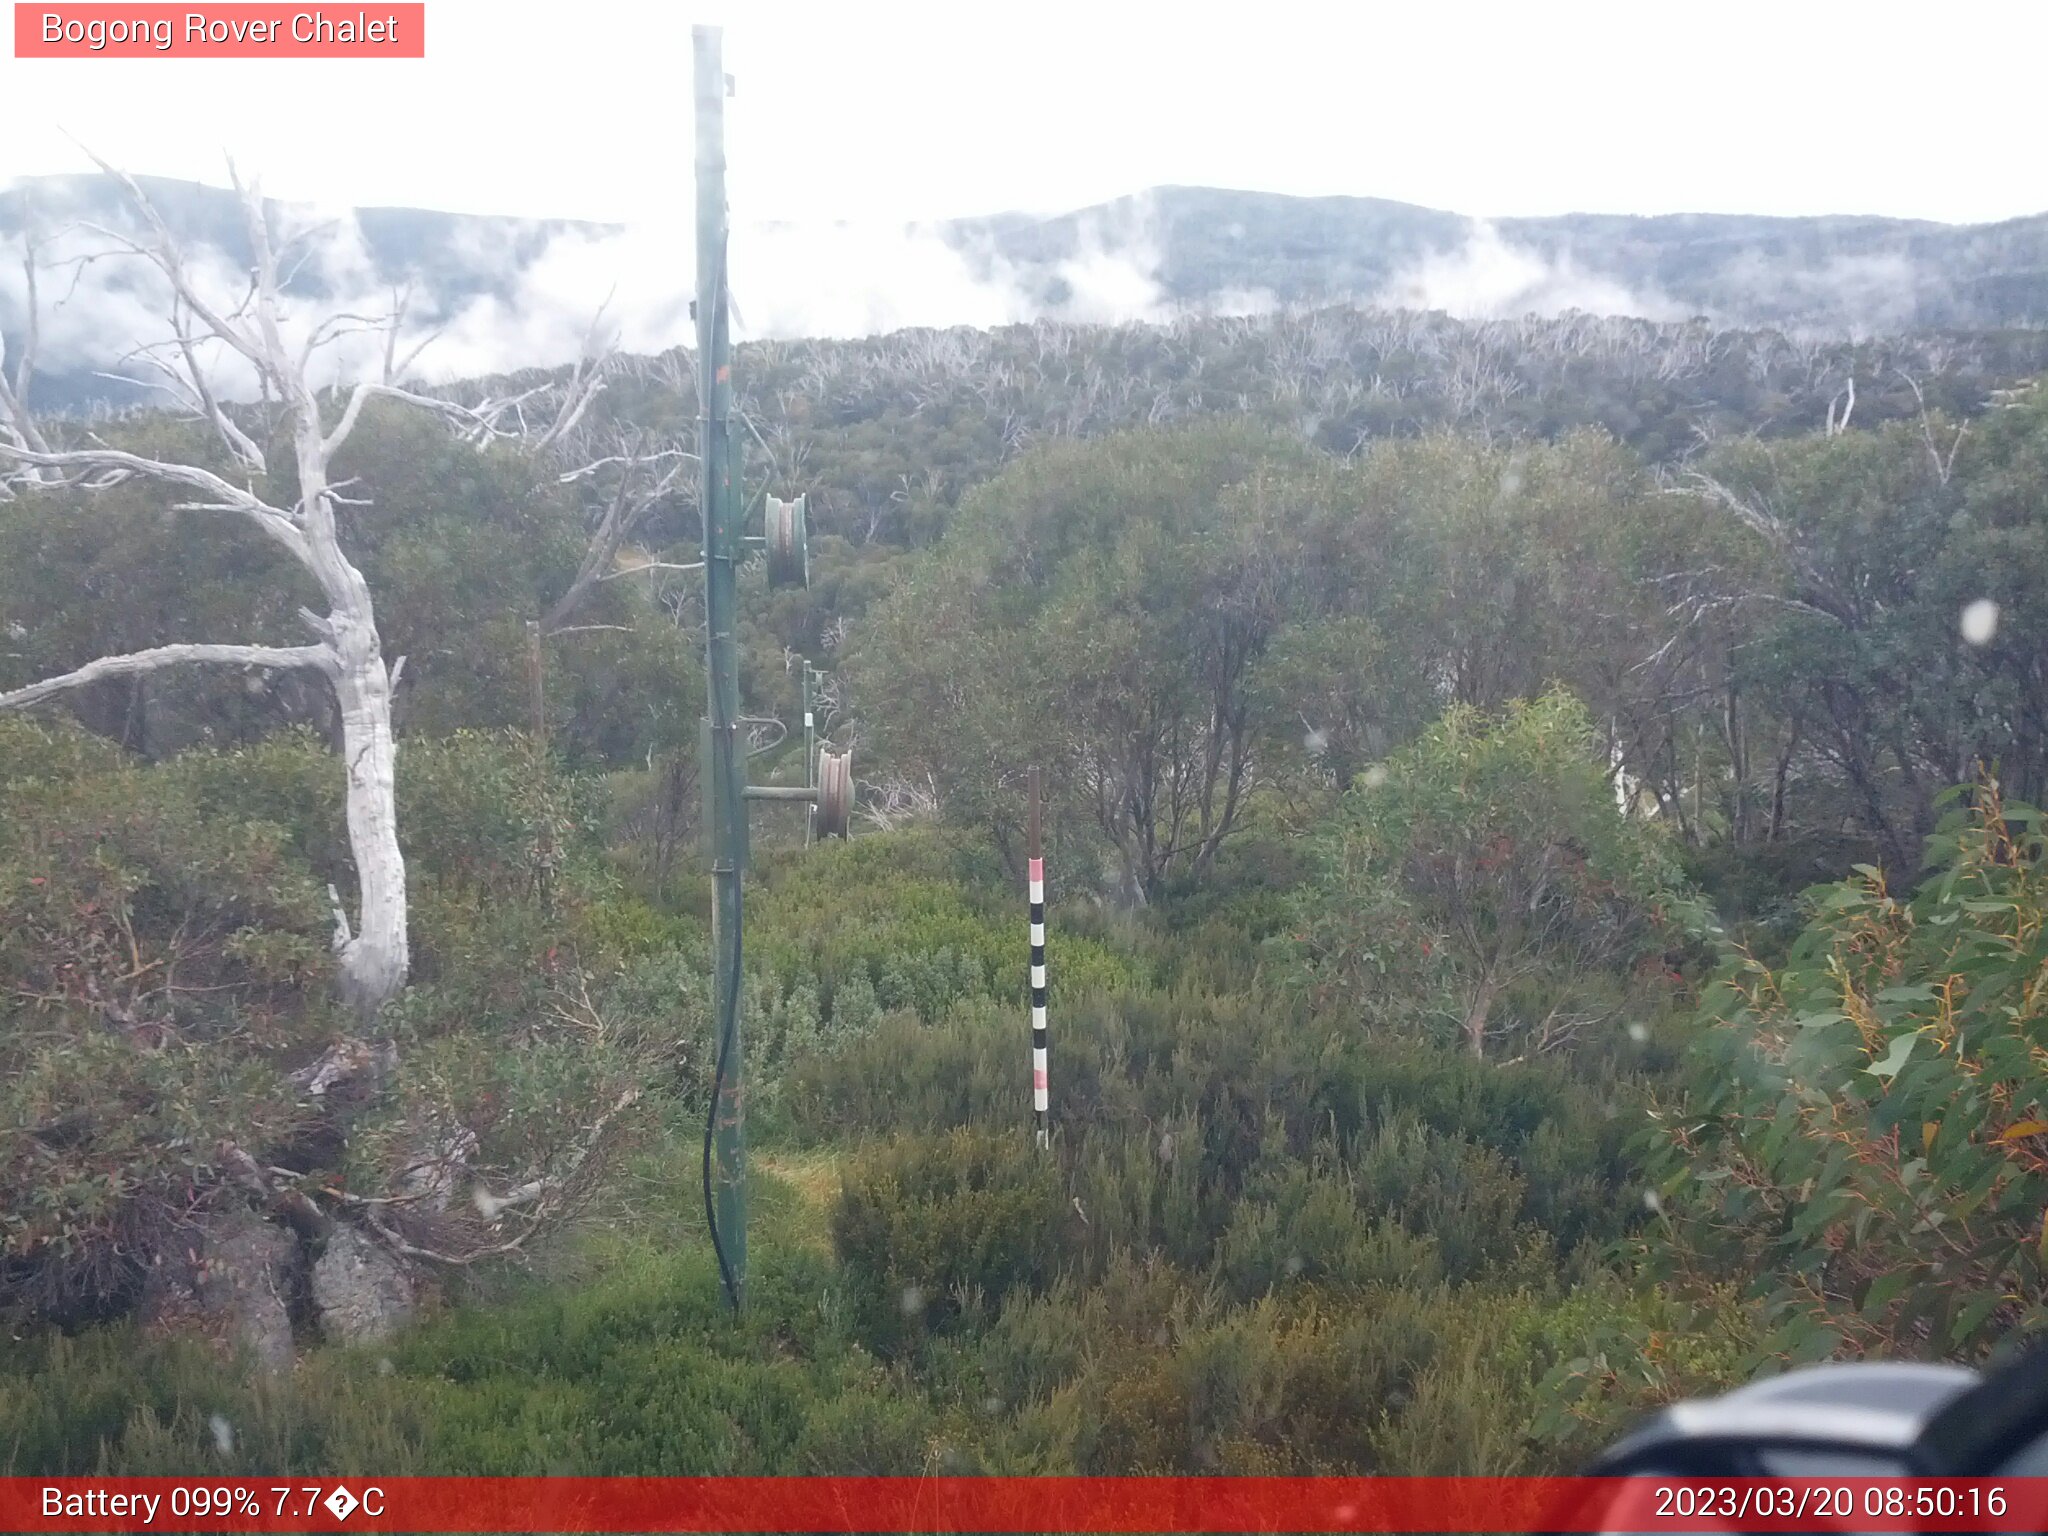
{"x":520,"y":291}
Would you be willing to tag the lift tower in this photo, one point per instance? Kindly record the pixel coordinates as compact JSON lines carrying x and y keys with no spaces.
{"x":719,"y":501}
{"x":722,"y":763}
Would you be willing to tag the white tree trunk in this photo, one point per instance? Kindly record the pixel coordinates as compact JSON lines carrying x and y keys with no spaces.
{"x":374,"y":958}
{"x":358,"y":1290}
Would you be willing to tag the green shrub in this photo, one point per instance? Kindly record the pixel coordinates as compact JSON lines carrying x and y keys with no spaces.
{"x":900,"y":1074}
{"x":1147,"y":1194}
{"x":629,"y":1363}
{"x":1164,"y":1104}
{"x":890,"y":916}
{"x":1308,"y":1229}
{"x":164,"y":969}
{"x":928,"y":1229}
{"x":1298,"y":1387}
{"x":1467,"y":1199}
{"x":1612,"y":1350}
{"x":1488,"y":853}
{"x":115,"y":1401}
{"x":1863,"y":1125}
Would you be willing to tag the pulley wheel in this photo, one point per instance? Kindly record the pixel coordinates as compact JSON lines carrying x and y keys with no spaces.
{"x":789,"y":557}
{"x":835,"y":793}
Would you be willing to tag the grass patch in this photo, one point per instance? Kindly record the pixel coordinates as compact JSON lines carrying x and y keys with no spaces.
{"x":813,"y":1177}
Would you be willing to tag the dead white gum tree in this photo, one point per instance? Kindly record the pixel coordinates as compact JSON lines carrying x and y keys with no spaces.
{"x":623,"y":477}
{"x":346,"y":649}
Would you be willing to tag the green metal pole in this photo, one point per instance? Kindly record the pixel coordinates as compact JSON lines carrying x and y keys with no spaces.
{"x":810,"y":754}
{"x":720,"y":504}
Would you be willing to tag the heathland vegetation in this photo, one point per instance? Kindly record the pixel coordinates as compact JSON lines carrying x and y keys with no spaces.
{"x":1546,"y":914}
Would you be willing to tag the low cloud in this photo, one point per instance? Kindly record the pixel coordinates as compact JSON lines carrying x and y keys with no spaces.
{"x":512,"y":294}
{"x":1488,"y":278}
{"x":1858,"y":294}
{"x":1112,"y":277}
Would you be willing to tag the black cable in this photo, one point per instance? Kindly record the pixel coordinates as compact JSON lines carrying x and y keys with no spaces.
{"x":727,"y":1028}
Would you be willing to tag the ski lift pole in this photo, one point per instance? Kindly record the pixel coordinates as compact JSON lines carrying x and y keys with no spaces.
{"x":724,"y":765}
{"x":810,"y":757}
{"x":1041,"y":1103}
{"x":725,"y":1151}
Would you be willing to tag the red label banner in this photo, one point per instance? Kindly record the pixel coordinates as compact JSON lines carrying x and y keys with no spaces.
{"x":1023,"y":1504}
{"x":238,"y":31}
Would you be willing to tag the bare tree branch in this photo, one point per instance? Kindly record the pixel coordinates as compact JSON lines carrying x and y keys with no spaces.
{"x":646,"y":478}
{"x":1846,"y":399}
{"x":117,"y":465}
{"x":1817,"y":594}
{"x":628,"y":460}
{"x":165,"y":256}
{"x":318,"y":657}
{"x":533,"y":1201}
{"x":470,"y":421}
{"x":244,"y":449}
{"x":1944,"y":463}
{"x":651,"y":565}
{"x":396,"y":367}
{"x":17,"y":426}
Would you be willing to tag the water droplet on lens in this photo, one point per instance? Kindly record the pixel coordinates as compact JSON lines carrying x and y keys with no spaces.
{"x":1980,"y":621}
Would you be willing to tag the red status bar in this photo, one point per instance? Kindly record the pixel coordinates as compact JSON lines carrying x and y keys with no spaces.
{"x":1023,"y":1504}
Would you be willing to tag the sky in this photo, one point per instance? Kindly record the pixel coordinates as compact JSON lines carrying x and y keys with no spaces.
{"x":881,"y":111}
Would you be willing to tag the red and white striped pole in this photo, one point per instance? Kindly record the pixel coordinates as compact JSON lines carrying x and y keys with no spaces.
{"x":1041,"y":1102}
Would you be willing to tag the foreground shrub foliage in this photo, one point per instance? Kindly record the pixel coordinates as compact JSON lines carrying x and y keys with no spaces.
{"x":1867,"y":1131}
{"x":164,"y":939}
{"x":928,"y":1229}
{"x":162,"y":969}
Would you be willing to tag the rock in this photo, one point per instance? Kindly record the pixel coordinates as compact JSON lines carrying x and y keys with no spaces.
{"x":362,"y":1293}
{"x":230,"y":1279}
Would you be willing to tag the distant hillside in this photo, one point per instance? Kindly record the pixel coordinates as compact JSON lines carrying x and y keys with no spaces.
{"x":457,"y":254}
{"x":450,"y":262}
{"x":1858,"y":274}
{"x":517,"y":292}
